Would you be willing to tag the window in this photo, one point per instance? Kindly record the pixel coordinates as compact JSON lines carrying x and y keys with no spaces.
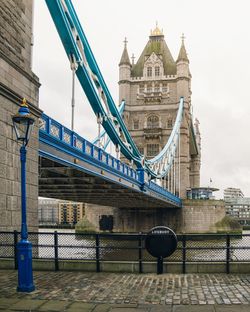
{"x":152,"y":149}
{"x":170,"y":123}
{"x":157,"y":88}
{"x":165,"y":89}
{"x":136,"y":124}
{"x":149,"y":89}
{"x":157,"y":71}
{"x":153,"y":121}
{"x":141,"y":89}
{"x":149,"y":71}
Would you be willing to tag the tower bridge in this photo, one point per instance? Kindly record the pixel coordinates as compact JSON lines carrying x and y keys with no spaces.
{"x":71,"y":168}
{"x":154,"y":131}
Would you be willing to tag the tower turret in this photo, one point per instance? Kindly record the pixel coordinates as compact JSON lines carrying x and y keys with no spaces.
{"x":124,"y":74}
{"x":182,"y":61}
{"x":183,"y":73}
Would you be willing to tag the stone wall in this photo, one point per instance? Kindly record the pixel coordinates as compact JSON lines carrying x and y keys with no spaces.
{"x":16,"y":82}
{"x":133,"y":220}
{"x":200,"y":216}
{"x":196,"y":216}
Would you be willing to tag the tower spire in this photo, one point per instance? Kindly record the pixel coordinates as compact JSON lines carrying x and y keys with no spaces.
{"x":182,"y":38}
{"x":125,"y":42}
{"x":125,"y":58}
{"x":182,"y":53}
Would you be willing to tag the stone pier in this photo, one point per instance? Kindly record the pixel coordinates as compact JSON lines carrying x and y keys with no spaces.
{"x":17,"y":81}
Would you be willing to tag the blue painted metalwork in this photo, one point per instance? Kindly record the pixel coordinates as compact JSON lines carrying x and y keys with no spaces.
{"x":79,"y":53}
{"x":90,"y":77}
{"x":61,"y":138}
{"x":24,"y":247}
{"x":161,"y":164}
{"x":104,"y":138}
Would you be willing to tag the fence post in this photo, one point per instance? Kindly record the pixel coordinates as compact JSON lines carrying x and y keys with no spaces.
{"x":97,"y":252}
{"x":159,"y":265}
{"x":228,"y":255}
{"x":56,"y":250}
{"x":184,"y":254}
{"x":15,"y":249}
{"x":140,"y":252}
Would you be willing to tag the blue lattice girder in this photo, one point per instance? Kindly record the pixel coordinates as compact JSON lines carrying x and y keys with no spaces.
{"x":78,"y":51}
{"x":66,"y":147}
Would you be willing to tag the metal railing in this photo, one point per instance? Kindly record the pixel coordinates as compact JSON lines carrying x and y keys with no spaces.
{"x":191,"y":248}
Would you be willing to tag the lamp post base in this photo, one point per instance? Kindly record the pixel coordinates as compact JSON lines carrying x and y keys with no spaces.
{"x":25,"y":272}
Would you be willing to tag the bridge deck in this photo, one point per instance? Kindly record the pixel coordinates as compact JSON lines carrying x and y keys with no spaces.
{"x":71,"y":168}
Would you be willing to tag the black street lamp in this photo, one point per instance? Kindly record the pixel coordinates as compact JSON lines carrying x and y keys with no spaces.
{"x":23,"y":124}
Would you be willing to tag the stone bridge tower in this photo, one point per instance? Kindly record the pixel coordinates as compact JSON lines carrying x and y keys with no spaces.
{"x":152,"y":88}
{"x":16,"y":82}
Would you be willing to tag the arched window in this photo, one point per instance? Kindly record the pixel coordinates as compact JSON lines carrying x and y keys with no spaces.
{"x":153,"y":121}
{"x":149,"y":71}
{"x":157,"y":71}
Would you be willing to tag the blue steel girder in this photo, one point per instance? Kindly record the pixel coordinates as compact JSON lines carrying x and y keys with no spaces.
{"x":104,"y":134}
{"x":65,"y":147}
{"x":89,"y":75}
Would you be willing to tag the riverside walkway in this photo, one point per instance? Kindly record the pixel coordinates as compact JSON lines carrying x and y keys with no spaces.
{"x":123,"y":292}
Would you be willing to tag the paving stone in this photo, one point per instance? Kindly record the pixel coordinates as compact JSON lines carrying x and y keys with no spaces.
{"x":54,"y":305}
{"x":102,"y":308}
{"x":108,"y":291}
{"x":193,"y":308}
{"x":27,"y":304}
{"x":80,"y":307}
{"x":124,"y":305}
{"x":5,"y":303}
{"x":129,"y":310}
{"x":232,"y":308}
{"x":160,"y":308}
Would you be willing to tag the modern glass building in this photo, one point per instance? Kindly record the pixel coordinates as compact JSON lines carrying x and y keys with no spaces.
{"x":201,"y":193}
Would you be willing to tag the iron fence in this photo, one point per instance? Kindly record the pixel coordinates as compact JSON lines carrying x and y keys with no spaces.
{"x":55,"y":246}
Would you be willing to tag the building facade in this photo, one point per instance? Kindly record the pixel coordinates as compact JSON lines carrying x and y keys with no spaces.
{"x":152,"y":88}
{"x":237,"y":206}
{"x":17,"y":81}
{"x":70,"y":212}
{"x":48,"y":211}
{"x":232,"y":192}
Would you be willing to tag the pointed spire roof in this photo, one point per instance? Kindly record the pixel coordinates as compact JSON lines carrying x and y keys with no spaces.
{"x":183,"y":53}
{"x":125,"y":57}
{"x":157,"y":45}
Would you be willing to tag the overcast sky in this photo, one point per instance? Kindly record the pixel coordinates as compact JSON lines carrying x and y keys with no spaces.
{"x":218,"y":46}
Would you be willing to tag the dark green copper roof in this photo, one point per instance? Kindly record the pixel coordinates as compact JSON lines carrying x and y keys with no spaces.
{"x":157,"y":45}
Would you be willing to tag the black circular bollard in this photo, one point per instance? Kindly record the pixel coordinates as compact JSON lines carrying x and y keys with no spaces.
{"x":161,"y":242}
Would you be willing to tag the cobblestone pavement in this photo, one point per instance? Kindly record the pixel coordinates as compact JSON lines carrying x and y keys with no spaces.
{"x":81,"y":291}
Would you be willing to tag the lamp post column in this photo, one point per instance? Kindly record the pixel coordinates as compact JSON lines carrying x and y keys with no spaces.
{"x":24,"y":247}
